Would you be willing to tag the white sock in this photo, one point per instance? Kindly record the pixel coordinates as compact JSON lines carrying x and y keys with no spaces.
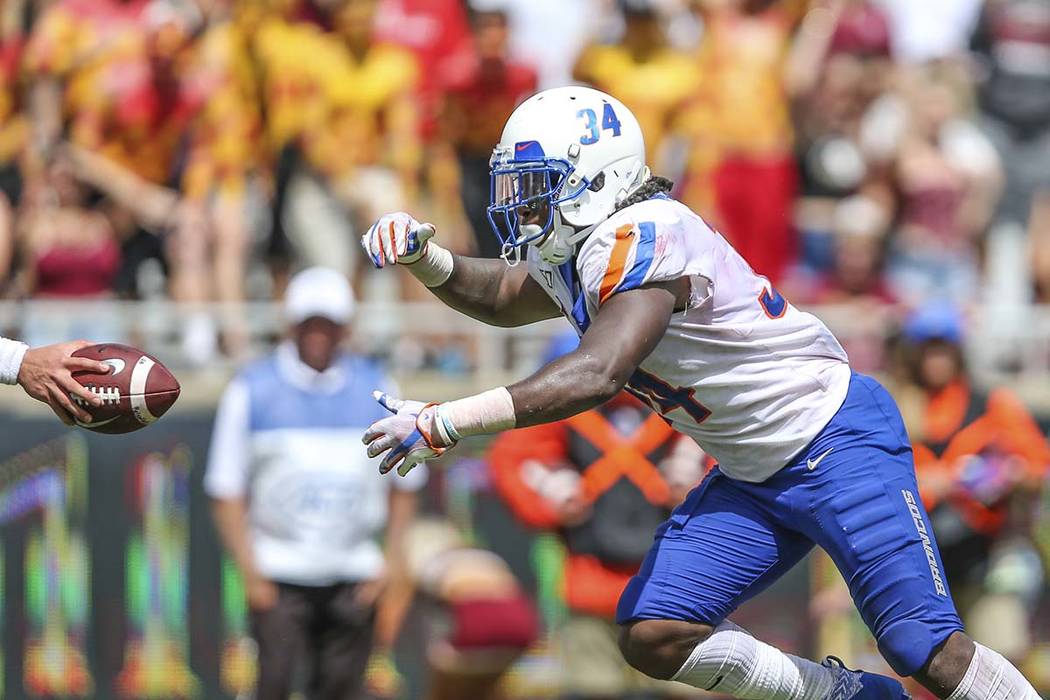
{"x":733,"y":662}
{"x":991,"y":677}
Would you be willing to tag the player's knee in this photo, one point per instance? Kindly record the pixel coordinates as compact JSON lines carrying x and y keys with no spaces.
{"x":907,"y":646}
{"x":659,"y":648}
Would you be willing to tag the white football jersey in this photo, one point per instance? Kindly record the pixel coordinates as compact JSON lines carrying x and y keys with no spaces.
{"x":748,"y":376}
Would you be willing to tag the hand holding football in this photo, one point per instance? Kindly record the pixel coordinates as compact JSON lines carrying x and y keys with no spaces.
{"x":137,"y":390}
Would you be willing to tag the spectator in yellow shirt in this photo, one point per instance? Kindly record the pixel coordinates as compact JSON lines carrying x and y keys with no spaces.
{"x":162,"y":118}
{"x":741,"y":164}
{"x":642,"y":70}
{"x":342,"y":104}
{"x":14,"y":128}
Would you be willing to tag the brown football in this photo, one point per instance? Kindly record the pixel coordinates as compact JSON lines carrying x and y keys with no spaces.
{"x":137,"y":391}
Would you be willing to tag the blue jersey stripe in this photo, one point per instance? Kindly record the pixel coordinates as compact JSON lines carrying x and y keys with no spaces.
{"x":579,"y":302}
{"x":643,"y":257}
{"x":579,"y":314}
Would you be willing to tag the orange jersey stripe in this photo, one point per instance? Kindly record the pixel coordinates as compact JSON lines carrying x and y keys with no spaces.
{"x":617,"y":262}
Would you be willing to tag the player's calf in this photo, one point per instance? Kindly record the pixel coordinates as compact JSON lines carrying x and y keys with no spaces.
{"x":728,"y":660}
{"x":658,"y":648}
{"x":944,"y":670}
{"x":960,"y":669}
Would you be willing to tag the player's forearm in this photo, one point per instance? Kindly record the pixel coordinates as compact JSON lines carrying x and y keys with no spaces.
{"x":623,"y":334}
{"x":486,"y":290}
{"x":567,"y":386}
{"x":573,"y":384}
{"x":625,"y":331}
{"x":474,"y":289}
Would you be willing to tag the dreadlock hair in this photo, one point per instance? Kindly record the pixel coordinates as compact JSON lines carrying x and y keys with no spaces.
{"x":652,"y":187}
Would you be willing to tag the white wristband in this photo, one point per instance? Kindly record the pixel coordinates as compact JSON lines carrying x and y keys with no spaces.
{"x":434,"y":268}
{"x":491,"y":411}
{"x":11,"y":354}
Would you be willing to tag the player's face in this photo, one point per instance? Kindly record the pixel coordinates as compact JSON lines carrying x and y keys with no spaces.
{"x":534,"y":208}
{"x":525,"y":190}
{"x":528,"y":194}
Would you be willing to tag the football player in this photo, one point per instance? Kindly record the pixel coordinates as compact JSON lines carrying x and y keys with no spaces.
{"x":45,"y":373}
{"x":809,"y":452}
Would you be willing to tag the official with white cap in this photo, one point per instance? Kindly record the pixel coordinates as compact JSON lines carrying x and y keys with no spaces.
{"x":297,"y":504}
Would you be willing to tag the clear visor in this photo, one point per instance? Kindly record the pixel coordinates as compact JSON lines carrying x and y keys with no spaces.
{"x":527,"y":192}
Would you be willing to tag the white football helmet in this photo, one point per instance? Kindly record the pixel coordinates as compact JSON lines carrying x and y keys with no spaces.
{"x":567,"y":158}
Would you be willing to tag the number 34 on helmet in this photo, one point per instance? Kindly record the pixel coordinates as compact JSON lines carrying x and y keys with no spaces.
{"x":568,"y":156}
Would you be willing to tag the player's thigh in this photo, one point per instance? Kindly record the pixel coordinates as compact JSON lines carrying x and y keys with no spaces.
{"x":868,"y":516}
{"x":719,"y":548}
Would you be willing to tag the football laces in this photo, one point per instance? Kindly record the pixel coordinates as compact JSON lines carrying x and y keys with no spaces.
{"x":110,"y":395}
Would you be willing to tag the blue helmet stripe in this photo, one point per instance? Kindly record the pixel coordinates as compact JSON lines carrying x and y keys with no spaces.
{"x":528,"y":151}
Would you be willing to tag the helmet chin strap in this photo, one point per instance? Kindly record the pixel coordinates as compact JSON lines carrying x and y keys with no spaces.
{"x":557,"y":246}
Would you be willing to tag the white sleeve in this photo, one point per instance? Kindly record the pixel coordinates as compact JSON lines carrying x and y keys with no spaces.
{"x":228,"y":455}
{"x":626,"y":254}
{"x":11,"y":354}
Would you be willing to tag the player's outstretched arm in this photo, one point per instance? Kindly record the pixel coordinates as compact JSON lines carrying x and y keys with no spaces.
{"x":488,"y":290}
{"x":624,"y":333}
{"x":45,"y":373}
{"x":493,"y":292}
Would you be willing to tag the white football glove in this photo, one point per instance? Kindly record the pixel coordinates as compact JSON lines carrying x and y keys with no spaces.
{"x":396,"y":238}
{"x":407,"y":436}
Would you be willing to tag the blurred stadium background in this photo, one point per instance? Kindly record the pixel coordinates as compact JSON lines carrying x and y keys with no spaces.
{"x":166,"y":164}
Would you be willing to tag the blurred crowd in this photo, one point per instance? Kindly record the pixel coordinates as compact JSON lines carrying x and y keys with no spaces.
{"x":867,"y":152}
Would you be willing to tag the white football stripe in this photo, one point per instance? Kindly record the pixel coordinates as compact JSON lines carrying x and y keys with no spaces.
{"x":139,"y":375}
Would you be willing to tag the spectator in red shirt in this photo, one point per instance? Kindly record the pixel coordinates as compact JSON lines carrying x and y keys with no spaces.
{"x":480,"y":93}
{"x":438,"y":33}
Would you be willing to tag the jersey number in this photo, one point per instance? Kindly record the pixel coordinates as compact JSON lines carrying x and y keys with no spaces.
{"x":609,"y":123}
{"x":772,"y":301}
{"x":664,"y":398}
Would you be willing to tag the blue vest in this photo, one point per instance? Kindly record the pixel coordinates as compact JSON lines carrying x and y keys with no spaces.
{"x":317,"y":502}
{"x":277,"y":403}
